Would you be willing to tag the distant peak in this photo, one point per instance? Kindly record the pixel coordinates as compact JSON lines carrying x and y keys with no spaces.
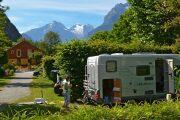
{"x":78,"y":24}
{"x":56,"y":24}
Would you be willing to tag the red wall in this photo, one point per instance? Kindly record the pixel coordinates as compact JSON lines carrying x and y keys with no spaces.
{"x":23,"y":46}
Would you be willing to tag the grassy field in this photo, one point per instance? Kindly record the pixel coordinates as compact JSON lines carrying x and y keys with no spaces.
{"x":4,"y":81}
{"x":42,"y":87}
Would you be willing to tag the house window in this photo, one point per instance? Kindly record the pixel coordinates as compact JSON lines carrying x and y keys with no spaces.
{"x":12,"y":51}
{"x":18,"y":53}
{"x":143,"y":70}
{"x":111,"y":66}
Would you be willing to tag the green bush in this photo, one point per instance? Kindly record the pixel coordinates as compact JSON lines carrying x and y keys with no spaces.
{"x":71,"y":57}
{"x":155,"y":111}
{"x":47,"y":65}
{"x":1,"y":72}
{"x":11,"y":73}
{"x":9,"y":66}
{"x":10,"y":69}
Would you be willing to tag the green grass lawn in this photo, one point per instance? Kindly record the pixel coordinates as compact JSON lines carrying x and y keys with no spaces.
{"x":4,"y":81}
{"x":42,"y":87}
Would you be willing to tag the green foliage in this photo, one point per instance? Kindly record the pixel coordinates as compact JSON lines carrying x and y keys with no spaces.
{"x":3,"y":58}
{"x":72,"y":57}
{"x":11,"y":72}
{"x":9,"y":68}
{"x":177,"y":77}
{"x":36,"y":56}
{"x":47,"y":65}
{"x":171,"y":11}
{"x":41,"y":45}
{"x":123,"y":30}
{"x":176,"y":46}
{"x":155,"y":111}
{"x":4,"y":41}
{"x":51,"y":39}
{"x":101,"y":35}
{"x":25,"y":112}
{"x":1,"y":72}
{"x":150,"y":21}
{"x":177,"y":83}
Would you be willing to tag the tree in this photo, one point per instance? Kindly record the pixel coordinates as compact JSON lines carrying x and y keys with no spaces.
{"x":171,"y":8}
{"x":123,"y":30}
{"x":51,"y":39}
{"x":4,"y":41}
{"x":36,"y":56}
{"x":155,"y":21}
{"x":151,"y":17}
{"x":101,"y":35}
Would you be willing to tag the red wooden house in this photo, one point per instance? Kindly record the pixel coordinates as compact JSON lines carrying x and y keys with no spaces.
{"x":20,"y":53}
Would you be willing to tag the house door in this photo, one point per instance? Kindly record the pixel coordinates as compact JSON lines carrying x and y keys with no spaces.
{"x":111,"y":90}
{"x":108,"y":85}
{"x":169,"y":74}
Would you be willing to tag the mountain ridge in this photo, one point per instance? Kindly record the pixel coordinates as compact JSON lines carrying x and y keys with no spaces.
{"x":111,"y":18}
{"x":77,"y":31}
{"x":11,"y":31}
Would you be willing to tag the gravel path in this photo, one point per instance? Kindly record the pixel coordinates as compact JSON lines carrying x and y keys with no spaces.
{"x":17,"y":88}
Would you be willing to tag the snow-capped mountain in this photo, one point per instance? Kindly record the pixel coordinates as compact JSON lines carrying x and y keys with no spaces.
{"x":81,"y":31}
{"x":76,"y":31}
{"x":38,"y":33}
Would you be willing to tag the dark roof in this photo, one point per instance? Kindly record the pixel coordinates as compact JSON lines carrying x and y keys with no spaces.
{"x":22,"y":42}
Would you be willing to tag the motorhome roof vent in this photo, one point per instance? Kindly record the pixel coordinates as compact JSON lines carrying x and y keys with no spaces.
{"x":117,"y":54}
{"x":144,"y":53}
{"x":103,"y":54}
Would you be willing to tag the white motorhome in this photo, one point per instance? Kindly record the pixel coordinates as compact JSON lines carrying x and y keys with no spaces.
{"x":119,"y":77}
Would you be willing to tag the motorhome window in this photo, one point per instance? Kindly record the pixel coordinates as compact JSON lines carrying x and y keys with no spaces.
{"x":148,"y":78}
{"x":111,"y":66}
{"x":143,"y":70}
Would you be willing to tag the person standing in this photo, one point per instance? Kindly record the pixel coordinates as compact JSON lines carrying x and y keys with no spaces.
{"x":67,"y":91}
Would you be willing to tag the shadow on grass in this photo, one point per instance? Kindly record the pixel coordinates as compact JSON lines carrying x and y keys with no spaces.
{"x":31,"y":85}
{"x":9,"y":77}
{"x":3,"y":84}
{"x":4,"y":81}
{"x":21,"y":78}
{"x":12,"y":110}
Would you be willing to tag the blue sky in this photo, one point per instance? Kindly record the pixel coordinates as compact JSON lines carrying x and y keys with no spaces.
{"x":29,"y":14}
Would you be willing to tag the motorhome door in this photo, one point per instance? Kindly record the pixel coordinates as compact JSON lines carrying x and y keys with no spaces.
{"x":169,"y":72}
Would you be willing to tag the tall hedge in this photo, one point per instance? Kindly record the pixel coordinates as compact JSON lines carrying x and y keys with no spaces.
{"x":48,"y":65}
{"x":71,"y":57}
